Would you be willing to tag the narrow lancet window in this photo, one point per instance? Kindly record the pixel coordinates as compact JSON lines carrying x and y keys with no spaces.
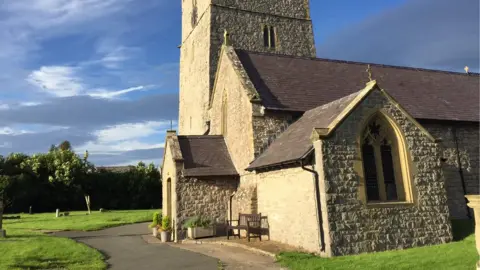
{"x":269,"y":37}
{"x":370,"y":170}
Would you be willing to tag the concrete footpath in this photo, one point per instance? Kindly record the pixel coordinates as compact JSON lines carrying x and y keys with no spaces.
{"x":125,"y":249}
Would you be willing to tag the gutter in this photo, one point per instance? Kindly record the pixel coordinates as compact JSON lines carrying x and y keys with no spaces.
{"x":319,"y":209}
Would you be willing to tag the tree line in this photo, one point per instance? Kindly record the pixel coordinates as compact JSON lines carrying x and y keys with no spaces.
{"x":62,"y":179}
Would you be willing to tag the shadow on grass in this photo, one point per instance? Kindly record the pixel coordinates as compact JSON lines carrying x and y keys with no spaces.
{"x":33,"y":262}
{"x":462,"y":228}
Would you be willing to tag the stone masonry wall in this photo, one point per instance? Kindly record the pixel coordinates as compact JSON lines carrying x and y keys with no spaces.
{"x":266,"y":128}
{"x":294,"y":36}
{"x":201,"y":44}
{"x":207,"y":196}
{"x":287,"y":197}
{"x":195,"y":79}
{"x":467,"y":135}
{"x":245,"y":199}
{"x":239,"y":135}
{"x":355,"y":227}
{"x":170,"y":170}
{"x":290,"y":8}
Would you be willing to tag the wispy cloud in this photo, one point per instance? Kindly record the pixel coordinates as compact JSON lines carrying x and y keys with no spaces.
{"x":113,"y":94}
{"x":131,"y":131}
{"x":126,"y":137}
{"x":65,"y":81}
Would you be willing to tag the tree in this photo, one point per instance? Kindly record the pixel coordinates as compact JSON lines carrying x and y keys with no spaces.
{"x":12,"y":172}
{"x":65,"y":146}
{"x":64,"y":167}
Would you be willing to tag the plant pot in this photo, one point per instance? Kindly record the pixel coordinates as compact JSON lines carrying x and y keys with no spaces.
{"x":198,"y":232}
{"x":165,"y":236}
{"x":155,"y":232}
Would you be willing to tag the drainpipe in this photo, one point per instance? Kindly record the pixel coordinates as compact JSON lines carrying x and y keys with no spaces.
{"x":319,"y":209}
{"x":231,"y":199}
{"x":460,"y":170}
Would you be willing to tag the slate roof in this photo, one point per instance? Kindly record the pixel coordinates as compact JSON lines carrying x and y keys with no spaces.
{"x":295,"y":143}
{"x":300,"y":84}
{"x":117,"y":169}
{"x":206,"y":156}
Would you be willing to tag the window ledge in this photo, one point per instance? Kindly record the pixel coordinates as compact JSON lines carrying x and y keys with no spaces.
{"x":389,"y":204}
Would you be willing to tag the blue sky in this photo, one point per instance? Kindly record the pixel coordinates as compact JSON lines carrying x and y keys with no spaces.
{"x":103,"y":74}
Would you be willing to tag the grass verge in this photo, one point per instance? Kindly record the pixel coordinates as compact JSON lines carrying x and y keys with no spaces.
{"x":28,"y":248}
{"x":460,"y":254}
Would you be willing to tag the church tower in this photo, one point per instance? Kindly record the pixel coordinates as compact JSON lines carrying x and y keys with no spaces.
{"x":274,"y":26}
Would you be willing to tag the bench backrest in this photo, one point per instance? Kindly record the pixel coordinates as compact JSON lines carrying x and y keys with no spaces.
{"x":243,"y":218}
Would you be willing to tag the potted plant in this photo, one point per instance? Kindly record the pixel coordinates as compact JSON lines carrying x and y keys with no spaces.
{"x":155,"y":225}
{"x":166,"y":229}
{"x":199,"y":227}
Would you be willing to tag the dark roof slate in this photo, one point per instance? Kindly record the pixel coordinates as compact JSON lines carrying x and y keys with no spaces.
{"x":116,"y":169}
{"x":206,"y":156}
{"x":295,"y":143}
{"x":300,"y":84}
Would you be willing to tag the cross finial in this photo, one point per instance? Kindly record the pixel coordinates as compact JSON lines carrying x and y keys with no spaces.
{"x":369,"y":71}
{"x":226,"y":38}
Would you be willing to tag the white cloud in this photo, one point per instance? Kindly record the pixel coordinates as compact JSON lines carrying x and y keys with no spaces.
{"x":11,"y":131}
{"x":112,"y":94}
{"x":114,"y":56}
{"x":30,"y":103}
{"x":131,"y":131}
{"x":116,"y":148}
{"x":125,"y":137}
{"x":59,"y":81}
{"x":65,"y":81}
{"x":28,"y":129}
{"x":4,"y":107}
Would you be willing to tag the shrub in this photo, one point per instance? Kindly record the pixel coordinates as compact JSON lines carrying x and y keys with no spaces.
{"x":166,"y":224}
{"x":157,"y":219}
{"x":197,"y":222}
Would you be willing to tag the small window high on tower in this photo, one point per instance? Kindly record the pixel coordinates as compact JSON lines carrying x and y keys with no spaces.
{"x":269,"y":37}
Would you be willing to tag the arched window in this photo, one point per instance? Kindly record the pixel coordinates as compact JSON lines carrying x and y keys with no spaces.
{"x":385,"y":162}
{"x":269,"y":36}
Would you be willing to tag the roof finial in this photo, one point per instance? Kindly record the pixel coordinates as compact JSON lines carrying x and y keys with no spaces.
{"x":369,"y":71}
{"x":226,"y":38}
{"x":466,"y":69}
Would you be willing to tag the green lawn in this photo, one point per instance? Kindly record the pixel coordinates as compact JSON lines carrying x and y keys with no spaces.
{"x":28,"y":248}
{"x":460,"y":254}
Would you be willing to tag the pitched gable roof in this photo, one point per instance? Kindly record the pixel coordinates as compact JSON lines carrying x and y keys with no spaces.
{"x":300,"y":84}
{"x":295,"y":143}
{"x":205,"y":156}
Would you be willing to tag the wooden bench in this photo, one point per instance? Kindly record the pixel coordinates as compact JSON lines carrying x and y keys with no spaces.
{"x":253,"y":224}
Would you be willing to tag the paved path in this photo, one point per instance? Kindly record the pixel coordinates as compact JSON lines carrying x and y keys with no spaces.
{"x":233,"y":258}
{"x":125,"y":249}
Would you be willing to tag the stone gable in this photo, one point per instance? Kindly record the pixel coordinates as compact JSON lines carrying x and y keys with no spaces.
{"x":354,"y":227}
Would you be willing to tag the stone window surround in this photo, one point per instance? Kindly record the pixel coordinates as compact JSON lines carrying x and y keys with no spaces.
{"x":270,"y":29}
{"x":404,"y":162}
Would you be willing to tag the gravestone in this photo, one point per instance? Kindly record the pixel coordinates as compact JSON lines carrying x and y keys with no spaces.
{"x":474,"y":203}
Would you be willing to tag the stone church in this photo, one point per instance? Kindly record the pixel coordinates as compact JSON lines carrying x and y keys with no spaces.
{"x":342,"y":157}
